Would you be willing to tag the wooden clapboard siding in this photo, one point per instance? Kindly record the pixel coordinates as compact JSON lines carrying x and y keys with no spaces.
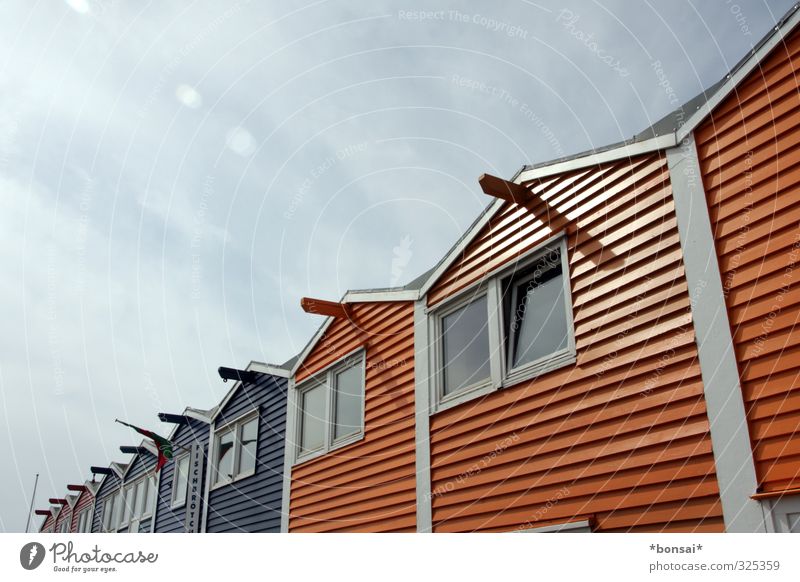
{"x":368,"y":485}
{"x":749,"y":152}
{"x":85,"y":501}
{"x":253,"y":504}
{"x":169,"y":519}
{"x":622,"y":435}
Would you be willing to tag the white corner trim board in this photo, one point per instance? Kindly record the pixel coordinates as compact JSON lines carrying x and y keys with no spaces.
{"x":422,"y":418}
{"x":730,"y":440}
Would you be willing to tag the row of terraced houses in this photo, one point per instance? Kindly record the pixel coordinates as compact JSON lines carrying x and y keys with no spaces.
{"x":611,"y":346}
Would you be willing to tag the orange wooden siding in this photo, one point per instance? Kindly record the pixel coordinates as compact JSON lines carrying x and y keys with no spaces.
{"x":368,"y":485}
{"x":623,"y":434}
{"x":749,"y":152}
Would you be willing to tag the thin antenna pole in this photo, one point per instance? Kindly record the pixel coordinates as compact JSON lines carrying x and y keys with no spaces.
{"x":35,"y":483}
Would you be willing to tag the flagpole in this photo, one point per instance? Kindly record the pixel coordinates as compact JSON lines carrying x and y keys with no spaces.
{"x":35,"y":484}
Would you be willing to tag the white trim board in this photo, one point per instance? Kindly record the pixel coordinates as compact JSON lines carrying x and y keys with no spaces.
{"x":730,"y":439}
{"x":422,"y":419}
{"x":779,"y":33}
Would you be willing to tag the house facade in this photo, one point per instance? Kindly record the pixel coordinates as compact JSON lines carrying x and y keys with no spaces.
{"x":191,"y":430}
{"x":244,"y":483}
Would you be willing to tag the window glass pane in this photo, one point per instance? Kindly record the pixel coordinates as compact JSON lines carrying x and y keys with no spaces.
{"x":148,"y":499}
{"x":108,"y":510}
{"x":224,"y":462}
{"x":140,"y":495}
{"x":312,"y":432}
{"x":465,"y":346}
{"x":794,"y":522}
{"x":130,"y":495}
{"x":348,"y":402}
{"x":117,"y":517}
{"x":249,"y":447}
{"x":538,"y":323}
{"x":180,"y":480}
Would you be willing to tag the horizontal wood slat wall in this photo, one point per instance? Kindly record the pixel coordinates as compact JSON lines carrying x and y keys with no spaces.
{"x":622,"y":436}
{"x":749,"y":152}
{"x":369,"y":485}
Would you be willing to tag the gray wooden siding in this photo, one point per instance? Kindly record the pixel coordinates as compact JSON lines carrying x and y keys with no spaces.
{"x":169,"y":520}
{"x":253,"y":504}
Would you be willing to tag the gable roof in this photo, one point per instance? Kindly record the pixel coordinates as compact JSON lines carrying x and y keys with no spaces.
{"x":665,"y":133}
{"x":271,"y":369}
{"x":409,"y":292}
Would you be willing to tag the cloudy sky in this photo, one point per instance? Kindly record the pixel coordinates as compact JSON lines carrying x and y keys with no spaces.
{"x":174,"y":176}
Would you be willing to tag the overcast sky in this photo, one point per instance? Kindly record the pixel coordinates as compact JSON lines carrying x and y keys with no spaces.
{"x":174,"y":176}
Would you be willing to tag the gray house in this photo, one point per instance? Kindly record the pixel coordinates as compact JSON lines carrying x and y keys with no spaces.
{"x":244,"y":480}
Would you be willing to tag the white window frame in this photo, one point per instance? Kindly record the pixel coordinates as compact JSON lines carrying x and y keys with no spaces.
{"x":326,"y":379}
{"x":85,"y":520}
{"x":111,"y":500}
{"x":130,"y":488}
{"x":235,"y":426}
{"x":175,"y":502}
{"x":501,"y":376}
{"x":64,"y":528}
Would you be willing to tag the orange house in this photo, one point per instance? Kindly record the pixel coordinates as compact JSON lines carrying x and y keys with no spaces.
{"x":350,"y":438}
{"x":611,"y":346}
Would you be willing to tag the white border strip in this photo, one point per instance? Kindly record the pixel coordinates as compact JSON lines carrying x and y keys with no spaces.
{"x":730,"y":439}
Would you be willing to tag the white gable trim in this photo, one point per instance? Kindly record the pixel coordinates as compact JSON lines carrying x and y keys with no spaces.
{"x":780,"y":32}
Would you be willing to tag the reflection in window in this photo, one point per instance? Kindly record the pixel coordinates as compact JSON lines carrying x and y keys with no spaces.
{"x":465,"y":346}
{"x":248,"y":449}
{"x":536,"y":320}
{"x":348,"y":402}
{"x":312,"y":431}
{"x":224,"y":462}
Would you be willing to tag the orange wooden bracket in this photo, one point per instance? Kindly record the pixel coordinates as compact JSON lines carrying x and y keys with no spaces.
{"x":503,"y":189}
{"x":322,"y":307}
{"x":520,"y":195}
{"x":335,"y":310}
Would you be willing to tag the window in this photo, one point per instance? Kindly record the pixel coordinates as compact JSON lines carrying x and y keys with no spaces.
{"x":235,"y":450}
{"x":331,"y":408}
{"x":136,"y":499}
{"x":465,"y":347}
{"x":127,"y":503}
{"x":514,"y":325}
{"x":536,"y":321}
{"x":64,"y":527}
{"x":85,"y":521}
{"x":180,"y":480}
{"x":112,"y":511}
{"x":581,"y":526}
